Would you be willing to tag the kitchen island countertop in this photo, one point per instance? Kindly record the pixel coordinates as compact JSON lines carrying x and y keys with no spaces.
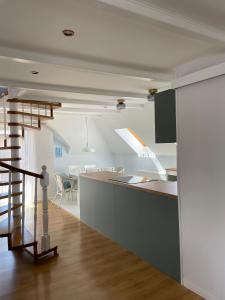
{"x":160,"y":187}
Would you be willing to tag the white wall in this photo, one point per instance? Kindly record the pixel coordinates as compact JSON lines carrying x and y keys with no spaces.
{"x":142,"y":121}
{"x":201,"y":173}
{"x":72,"y":129}
{"x":37,"y":151}
{"x":132,"y":163}
{"x":44,"y":156}
{"x":101,"y":160}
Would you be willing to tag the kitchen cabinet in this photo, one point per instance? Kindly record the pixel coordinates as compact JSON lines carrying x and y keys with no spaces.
{"x":165,"y":117}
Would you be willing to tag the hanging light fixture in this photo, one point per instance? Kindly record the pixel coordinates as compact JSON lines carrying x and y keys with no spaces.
{"x":87,"y":148}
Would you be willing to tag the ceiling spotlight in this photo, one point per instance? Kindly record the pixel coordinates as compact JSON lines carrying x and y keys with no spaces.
{"x":34,"y":72}
{"x":68,"y":32}
{"x":120,"y":104}
{"x":151,"y":94}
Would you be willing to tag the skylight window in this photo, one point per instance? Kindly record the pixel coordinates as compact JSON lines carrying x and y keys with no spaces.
{"x":138,"y":146}
{"x":135,"y":142}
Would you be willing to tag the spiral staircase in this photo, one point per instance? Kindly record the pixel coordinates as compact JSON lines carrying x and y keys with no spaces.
{"x":19,"y":115}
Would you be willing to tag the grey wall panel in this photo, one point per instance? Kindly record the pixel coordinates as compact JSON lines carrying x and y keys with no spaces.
{"x":160,"y":233}
{"x":127,"y":218}
{"x":88,"y":203}
{"x":104,"y":207}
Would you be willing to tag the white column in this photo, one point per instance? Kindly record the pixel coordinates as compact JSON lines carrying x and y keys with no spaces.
{"x":45,"y":240}
{"x":201,"y":178}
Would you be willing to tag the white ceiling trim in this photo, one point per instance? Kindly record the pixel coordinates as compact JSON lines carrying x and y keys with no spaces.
{"x":169,"y":18}
{"x":129,"y":101}
{"x":82,"y":64}
{"x":205,"y":74}
{"x":73,"y":103}
{"x":69,"y":89}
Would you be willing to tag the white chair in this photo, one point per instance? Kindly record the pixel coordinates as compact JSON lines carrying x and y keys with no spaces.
{"x":74,"y":170}
{"x":61,"y":189}
{"x":108,"y":169}
{"x":120,"y":170}
{"x":90,"y":168}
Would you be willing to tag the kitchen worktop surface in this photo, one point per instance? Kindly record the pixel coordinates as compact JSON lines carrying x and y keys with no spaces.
{"x":160,"y":187}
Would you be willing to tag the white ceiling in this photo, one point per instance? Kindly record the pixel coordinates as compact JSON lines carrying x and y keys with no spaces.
{"x":114,"y":53}
{"x":101,"y":33}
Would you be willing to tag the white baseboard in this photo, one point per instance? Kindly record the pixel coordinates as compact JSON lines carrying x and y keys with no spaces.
{"x":203,"y":293}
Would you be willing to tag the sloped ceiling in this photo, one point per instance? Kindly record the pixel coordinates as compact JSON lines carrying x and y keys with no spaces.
{"x":142,"y":122}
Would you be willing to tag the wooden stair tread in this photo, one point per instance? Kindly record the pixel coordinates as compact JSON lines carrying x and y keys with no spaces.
{"x":15,"y":135}
{"x":10,"y":148}
{"x":15,"y":221}
{"x":17,"y":237}
{"x":25,"y":125}
{"x":4,"y":171}
{"x":10,"y":158}
{"x":30,"y":115}
{"x":6,"y":195}
{"x":3,"y":183}
{"x":5,"y":208}
{"x":54,"y":105}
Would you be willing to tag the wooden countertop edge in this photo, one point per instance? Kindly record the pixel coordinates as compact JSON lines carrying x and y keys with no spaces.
{"x":131,"y":186}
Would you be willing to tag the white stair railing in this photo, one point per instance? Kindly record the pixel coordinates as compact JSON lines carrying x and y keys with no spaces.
{"x":23,"y":206}
{"x":45,"y":240}
{"x":9,"y":200}
{"x":35,"y":210}
{"x":44,"y":182}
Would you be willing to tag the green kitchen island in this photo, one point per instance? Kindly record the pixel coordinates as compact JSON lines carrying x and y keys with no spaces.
{"x":142,"y":218}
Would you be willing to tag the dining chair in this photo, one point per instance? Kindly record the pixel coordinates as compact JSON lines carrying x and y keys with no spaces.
{"x":120,"y":170}
{"x":108,"y":169}
{"x":90,"y":168}
{"x":63,"y":188}
{"x":74,"y":170}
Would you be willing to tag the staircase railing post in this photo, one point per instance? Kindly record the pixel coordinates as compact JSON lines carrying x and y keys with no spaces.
{"x":45,"y":240}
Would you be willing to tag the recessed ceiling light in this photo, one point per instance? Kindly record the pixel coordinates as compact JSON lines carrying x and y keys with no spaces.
{"x":68,"y":32}
{"x":34,"y":72}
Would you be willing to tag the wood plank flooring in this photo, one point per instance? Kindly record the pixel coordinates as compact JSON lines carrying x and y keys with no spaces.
{"x":89,"y":267}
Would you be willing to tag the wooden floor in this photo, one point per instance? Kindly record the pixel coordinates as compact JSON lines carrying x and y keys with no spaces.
{"x":89,"y":267}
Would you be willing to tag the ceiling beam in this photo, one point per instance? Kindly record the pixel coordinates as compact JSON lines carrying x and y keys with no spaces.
{"x":89,"y":110}
{"x":69,"y":89}
{"x":83,"y":111}
{"x":168,"y":18}
{"x":105,"y":107}
{"x":93,"y":65}
{"x":130,"y":103}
